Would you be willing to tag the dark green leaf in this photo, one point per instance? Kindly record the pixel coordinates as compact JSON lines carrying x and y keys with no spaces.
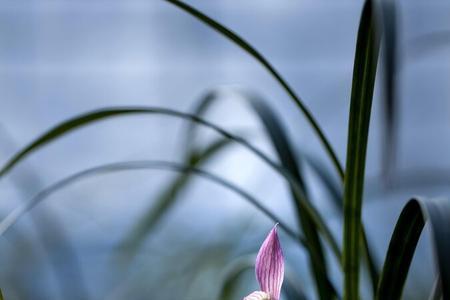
{"x":88,"y":118}
{"x":290,"y":164}
{"x":329,"y":182}
{"x":51,"y":235}
{"x":233,"y":275}
{"x":260,"y":58}
{"x":364,"y":71}
{"x":404,"y":241}
{"x":390,"y":62}
{"x":14,"y":216}
{"x":282,"y":144}
{"x":169,"y":195}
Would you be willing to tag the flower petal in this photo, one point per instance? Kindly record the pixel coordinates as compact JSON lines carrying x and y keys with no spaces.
{"x":258,"y":295}
{"x":270,"y":265}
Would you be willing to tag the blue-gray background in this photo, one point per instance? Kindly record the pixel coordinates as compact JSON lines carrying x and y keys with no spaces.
{"x":62,"y":58}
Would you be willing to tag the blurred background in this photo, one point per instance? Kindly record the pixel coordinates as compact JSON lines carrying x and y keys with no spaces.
{"x":60,"y":58}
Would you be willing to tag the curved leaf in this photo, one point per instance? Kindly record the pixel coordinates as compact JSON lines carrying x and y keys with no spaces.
{"x":404,"y":241}
{"x":258,"y":56}
{"x":291,"y":164}
{"x":391,"y":63}
{"x":91,"y":117}
{"x":289,"y":161}
{"x":364,"y":71}
{"x":169,"y":194}
{"x":14,"y":216}
{"x":279,"y":141}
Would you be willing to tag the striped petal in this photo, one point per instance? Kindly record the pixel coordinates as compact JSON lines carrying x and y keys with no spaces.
{"x":270,"y":265}
{"x":257,"y":296}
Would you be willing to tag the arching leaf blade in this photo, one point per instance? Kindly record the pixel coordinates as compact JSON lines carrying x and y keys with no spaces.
{"x":264,"y":62}
{"x":170,"y":194}
{"x":403,"y":244}
{"x":364,"y":72}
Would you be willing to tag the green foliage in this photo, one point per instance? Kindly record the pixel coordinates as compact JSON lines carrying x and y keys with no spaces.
{"x":290,"y":162}
{"x":239,"y":41}
{"x":364,"y":71}
{"x":404,"y":241}
{"x":170,"y":194}
{"x":315,"y":232}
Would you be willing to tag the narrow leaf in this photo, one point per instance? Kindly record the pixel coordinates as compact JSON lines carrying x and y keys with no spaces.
{"x":364,"y":71}
{"x":404,"y":241}
{"x":289,"y":161}
{"x":391,"y":63}
{"x":264,"y":62}
{"x":15,"y":215}
{"x":91,"y":117}
{"x":169,"y":195}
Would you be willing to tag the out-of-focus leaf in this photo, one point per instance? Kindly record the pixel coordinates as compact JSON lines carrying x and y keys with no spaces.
{"x":88,"y":118}
{"x":404,"y":241}
{"x":436,"y":291}
{"x":85,"y":119}
{"x":424,"y":44}
{"x":290,"y":163}
{"x":364,"y":71}
{"x":390,"y":62}
{"x":282,"y":144}
{"x":15,"y":215}
{"x":52,"y":236}
{"x":170,"y":193}
{"x":332,"y":186}
{"x":264,"y":62}
{"x":246,"y":263}
{"x":1,"y":295}
{"x":233,"y":274}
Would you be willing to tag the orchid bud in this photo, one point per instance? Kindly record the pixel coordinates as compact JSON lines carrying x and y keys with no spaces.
{"x":269,"y":269}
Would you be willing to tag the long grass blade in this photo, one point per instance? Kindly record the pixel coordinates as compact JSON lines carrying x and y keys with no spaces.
{"x":233,"y":275}
{"x":51,"y":235}
{"x":170,"y":194}
{"x":91,"y":117}
{"x":264,"y":62}
{"x":329,"y":182}
{"x":391,"y":63}
{"x":207,"y":101}
{"x":15,"y":215}
{"x":404,"y":241}
{"x":291,"y":163}
{"x":364,"y":71}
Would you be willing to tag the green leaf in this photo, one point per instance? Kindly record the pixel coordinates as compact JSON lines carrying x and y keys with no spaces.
{"x":169,"y":195}
{"x":329,"y":182}
{"x":391,"y":65}
{"x":291,"y":165}
{"x":233,"y":275}
{"x":264,"y":62}
{"x":404,"y":241}
{"x":15,"y":215}
{"x":91,"y":117}
{"x":364,"y":71}
{"x":282,"y":144}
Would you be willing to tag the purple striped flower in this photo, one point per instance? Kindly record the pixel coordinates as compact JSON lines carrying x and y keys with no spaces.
{"x":269,"y":269}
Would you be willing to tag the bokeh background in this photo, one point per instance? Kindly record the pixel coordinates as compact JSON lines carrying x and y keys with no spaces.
{"x":60,"y":58}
